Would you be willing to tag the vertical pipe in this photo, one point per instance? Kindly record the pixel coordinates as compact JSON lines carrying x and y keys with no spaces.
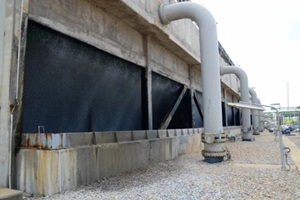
{"x":148,"y":76}
{"x":246,"y":120}
{"x":254,"y":112}
{"x":260,"y":121}
{"x":213,"y":151}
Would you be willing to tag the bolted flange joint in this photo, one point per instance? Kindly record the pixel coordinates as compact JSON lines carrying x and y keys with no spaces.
{"x":211,"y":139}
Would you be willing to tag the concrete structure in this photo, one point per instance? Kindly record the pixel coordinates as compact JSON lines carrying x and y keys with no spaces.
{"x":58,"y":55}
{"x":9,"y":194}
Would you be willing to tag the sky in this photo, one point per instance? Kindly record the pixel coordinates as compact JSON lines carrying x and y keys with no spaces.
{"x":263,"y":38}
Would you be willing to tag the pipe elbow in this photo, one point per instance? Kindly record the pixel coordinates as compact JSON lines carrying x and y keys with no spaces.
{"x":234,"y":70}
{"x":190,"y":10}
{"x":162,"y":15}
{"x":253,"y":93}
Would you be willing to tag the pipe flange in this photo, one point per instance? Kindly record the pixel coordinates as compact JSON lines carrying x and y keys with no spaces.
{"x":214,"y":154}
{"x":162,"y":15}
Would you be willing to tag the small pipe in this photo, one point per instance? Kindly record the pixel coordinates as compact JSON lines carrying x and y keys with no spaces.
{"x":245,"y":97}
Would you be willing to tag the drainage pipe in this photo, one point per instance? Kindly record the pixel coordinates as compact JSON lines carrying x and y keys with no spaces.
{"x":213,"y":136}
{"x":245,"y":97}
{"x":254,"y":112}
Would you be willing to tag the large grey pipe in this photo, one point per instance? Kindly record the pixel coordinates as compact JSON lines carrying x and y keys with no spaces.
{"x":260,"y":121}
{"x":209,"y":54}
{"x":245,"y":97}
{"x":254,"y":112}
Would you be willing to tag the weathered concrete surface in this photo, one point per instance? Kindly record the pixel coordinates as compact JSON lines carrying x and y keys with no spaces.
{"x":46,"y":172}
{"x":9,"y":194}
{"x":233,"y":132}
{"x":6,"y":24}
{"x":121,"y":26}
{"x":11,"y":48}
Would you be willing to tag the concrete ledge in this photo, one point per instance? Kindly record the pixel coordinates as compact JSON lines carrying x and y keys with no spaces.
{"x":139,"y":135}
{"x":75,"y":139}
{"x":105,"y":137}
{"x":178,"y":132}
{"x":47,"y":172}
{"x":9,"y":194}
{"x":124,"y":136}
{"x":151,"y":134}
{"x":51,"y":171}
{"x":171,"y":132}
{"x":72,"y":140}
{"x":162,"y":133}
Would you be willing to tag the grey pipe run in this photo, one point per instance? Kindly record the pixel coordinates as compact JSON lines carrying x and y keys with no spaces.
{"x":245,"y":97}
{"x":213,"y":137}
{"x":254,"y":112}
{"x":260,"y":121}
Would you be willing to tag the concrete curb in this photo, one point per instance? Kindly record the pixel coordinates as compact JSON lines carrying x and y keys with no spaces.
{"x":9,"y":194}
{"x":295,"y":151}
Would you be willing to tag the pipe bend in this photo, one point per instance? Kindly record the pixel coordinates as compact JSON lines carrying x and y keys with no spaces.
{"x":193,"y":11}
{"x":233,"y":69}
{"x":253,"y":94}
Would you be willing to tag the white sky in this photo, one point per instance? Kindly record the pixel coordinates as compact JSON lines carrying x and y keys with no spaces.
{"x":263,"y":37}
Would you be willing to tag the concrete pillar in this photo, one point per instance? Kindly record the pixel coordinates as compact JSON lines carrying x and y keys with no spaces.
{"x":13,"y":20}
{"x":6,"y":51}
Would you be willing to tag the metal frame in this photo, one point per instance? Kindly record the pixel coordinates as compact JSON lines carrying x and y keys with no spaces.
{"x":261,"y":108}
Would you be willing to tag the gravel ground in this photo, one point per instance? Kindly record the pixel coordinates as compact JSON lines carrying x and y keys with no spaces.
{"x":188,"y":177}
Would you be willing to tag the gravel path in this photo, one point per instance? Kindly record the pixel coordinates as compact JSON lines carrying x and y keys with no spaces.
{"x":188,"y":177}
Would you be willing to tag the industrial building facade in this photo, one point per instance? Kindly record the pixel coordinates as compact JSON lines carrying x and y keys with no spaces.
{"x":88,"y":83}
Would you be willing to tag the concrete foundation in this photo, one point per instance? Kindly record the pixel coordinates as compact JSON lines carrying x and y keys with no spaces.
{"x":50,"y":170}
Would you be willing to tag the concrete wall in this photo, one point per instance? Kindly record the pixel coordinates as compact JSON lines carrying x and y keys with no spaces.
{"x":112,"y":24}
{"x":48,"y":171}
{"x":87,"y":157}
{"x":10,"y":40}
{"x":129,"y":29}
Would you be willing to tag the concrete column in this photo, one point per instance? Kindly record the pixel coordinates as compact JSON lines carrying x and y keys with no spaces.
{"x":6,"y":52}
{"x":225,"y":100}
{"x":148,"y":71}
{"x":192,"y":95}
{"x":13,"y":22}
